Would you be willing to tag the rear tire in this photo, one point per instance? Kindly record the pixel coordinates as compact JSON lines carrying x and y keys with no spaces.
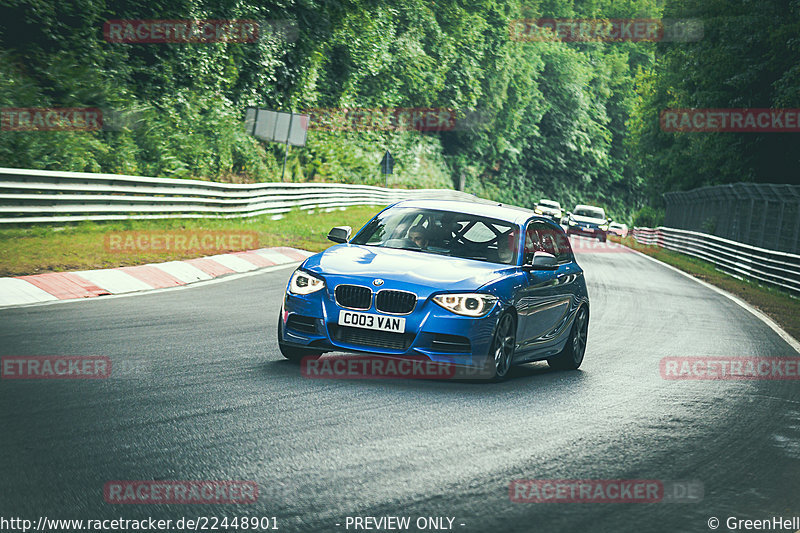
{"x":571,"y":357}
{"x":291,"y":353}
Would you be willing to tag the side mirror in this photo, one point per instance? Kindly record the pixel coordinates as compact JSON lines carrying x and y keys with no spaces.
{"x":340,"y":234}
{"x":543,"y":261}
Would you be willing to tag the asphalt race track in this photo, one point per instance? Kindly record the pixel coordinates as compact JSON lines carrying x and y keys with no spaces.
{"x":200,"y":392}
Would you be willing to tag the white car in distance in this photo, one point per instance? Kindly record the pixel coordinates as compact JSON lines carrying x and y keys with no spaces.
{"x":549,"y":208}
{"x":618,"y":229}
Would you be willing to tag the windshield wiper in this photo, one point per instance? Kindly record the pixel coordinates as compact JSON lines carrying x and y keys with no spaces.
{"x":409,"y":248}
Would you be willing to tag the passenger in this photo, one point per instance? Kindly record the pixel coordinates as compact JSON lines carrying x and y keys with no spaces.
{"x":505,"y":248}
{"x":419,"y":235}
{"x":401,"y":230}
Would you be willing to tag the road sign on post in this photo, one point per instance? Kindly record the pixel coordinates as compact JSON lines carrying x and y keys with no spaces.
{"x":276,"y":126}
{"x":387,"y":166}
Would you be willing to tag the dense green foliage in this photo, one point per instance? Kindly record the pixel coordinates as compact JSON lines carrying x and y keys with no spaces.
{"x":747,"y":58}
{"x":575,"y":122}
{"x":648,"y":217}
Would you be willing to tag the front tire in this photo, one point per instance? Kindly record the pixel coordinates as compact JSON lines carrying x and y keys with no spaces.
{"x":501,"y":353}
{"x":291,"y":353}
{"x":571,"y":357}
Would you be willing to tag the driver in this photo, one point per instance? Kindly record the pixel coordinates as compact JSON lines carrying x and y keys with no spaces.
{"x":419,"y":235}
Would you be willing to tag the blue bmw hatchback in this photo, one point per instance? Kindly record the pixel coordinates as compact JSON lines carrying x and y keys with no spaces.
{"x":479,"y":286}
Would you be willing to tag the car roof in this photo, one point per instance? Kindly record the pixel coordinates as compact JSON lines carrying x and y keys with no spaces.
{"x":581,"y":206}
{"x":509,"y":213}
{"x":546,"y":200}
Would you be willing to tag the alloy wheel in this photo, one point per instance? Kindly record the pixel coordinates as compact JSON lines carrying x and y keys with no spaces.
{"x":504,"y":345}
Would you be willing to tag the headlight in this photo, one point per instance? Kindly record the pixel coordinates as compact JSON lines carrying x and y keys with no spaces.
{"x":474,"y":305}
{"x":604,"y":227}
{"x":537,"y":210}
{"x":572,"y":222}
{"x":304,"y":283}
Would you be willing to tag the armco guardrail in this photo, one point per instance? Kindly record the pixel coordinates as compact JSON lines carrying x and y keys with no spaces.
{"x":761,"y":214}
{"x":771,"y":267}
{"x":30,"y":196}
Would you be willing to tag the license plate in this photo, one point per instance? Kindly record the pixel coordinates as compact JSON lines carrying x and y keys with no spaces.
{"x":369,"y":321}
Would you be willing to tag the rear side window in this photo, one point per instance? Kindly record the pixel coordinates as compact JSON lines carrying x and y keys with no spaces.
{"x":542,"y":237}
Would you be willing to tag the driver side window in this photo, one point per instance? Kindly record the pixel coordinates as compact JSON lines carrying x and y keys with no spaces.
{"x":533,"y":241}
{"x":540,"y":237}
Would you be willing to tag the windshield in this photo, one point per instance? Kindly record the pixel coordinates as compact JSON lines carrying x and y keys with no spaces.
{"x":590,"y":212}
{"x":443,"y":233}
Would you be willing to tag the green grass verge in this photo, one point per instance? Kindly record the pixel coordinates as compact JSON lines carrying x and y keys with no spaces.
{"x":82,"y":246}
{"x":777,"y":304}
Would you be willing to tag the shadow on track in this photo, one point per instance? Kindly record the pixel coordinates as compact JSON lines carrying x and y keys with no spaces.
{"x":535,"y":376}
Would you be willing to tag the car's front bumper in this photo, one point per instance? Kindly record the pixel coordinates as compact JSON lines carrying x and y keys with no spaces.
{"x":311,"y":321}
{"x":552,"y":216}
{"x":589,"y":231}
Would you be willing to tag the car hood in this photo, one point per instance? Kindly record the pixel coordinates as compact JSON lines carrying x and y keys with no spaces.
{"x":404,"y":266}
{"x":588,"y":220}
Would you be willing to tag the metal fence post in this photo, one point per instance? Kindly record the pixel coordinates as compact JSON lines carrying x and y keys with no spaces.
{"x":796,"y":230}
